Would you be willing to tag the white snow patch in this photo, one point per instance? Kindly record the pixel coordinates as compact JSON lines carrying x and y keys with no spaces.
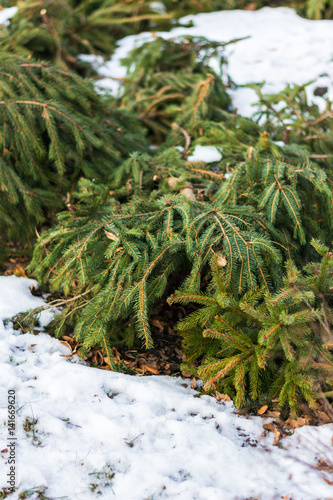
{"x":15,"y":297}
{"x":7,"y":14}
{"x":208,"y":154}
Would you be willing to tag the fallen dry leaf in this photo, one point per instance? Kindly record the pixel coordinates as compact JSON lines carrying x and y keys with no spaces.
{"x":251,"y":6}
{"x":107,"y":361}
{"x":193,"y":383}
{"x":147,"y":368}
{"x":292,"y":423}
{"x":277,"y":437}
{"x":97,"y":358}
{"x":219,"y":396}
{"x":328,"y":482}
{"x":299,"y":422}
{"x":116,"y":354}
{"x":68,"y":339}
{"x":5,"y":450}
{"x":302,"y":421}
{"x":64,"y":342}
{"x":262,"y":410}
{"x":31,"y":347}
{"x":158,"y":324}
{"x":19,"y":271}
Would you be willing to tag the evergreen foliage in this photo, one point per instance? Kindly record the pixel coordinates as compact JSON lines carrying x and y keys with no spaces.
{"x":115,"y":260}
{"x":282,"y":191}
{"x":172,"y":82}
{"x":316,"y":9}
{"x":120,"y":257}
{"x":304,"y":130}
{"x":60,"y":30}
{"x":312,"y":9}
{"x":54,"y":129}
{"x":258,"y":346}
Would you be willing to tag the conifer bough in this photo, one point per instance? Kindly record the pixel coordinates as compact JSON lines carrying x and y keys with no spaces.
{"x":54,"y":129}
{"x":125,"y":256}
{"x":260,"y":347}
{"x":61,"y":30}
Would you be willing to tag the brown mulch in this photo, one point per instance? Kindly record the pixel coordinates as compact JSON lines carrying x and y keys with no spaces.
{"x":15,"y":265}
{"x":163,"y":359}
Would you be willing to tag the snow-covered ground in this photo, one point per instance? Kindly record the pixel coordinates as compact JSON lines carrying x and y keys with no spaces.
{"x":85,"y":433}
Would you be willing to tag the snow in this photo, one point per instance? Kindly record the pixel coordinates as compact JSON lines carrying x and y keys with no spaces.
{"x":14,"y":293}
{"x":7,"y":14}
{"x":283,"y":48}
{"x":208,"y":154}
{"x":134,"y":438}
{"x":100,"y":434}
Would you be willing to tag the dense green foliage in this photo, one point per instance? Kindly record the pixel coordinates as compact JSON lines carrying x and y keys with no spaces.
{"x":260,"y":346}
{"x":126,"y":217}
{"x":220,"y":242}
{"x":125,"y":255}
{"x":54,"y":129}
{"x":281,"y":190}
{"x":172,"y":83}
{"x":60,"y":30}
